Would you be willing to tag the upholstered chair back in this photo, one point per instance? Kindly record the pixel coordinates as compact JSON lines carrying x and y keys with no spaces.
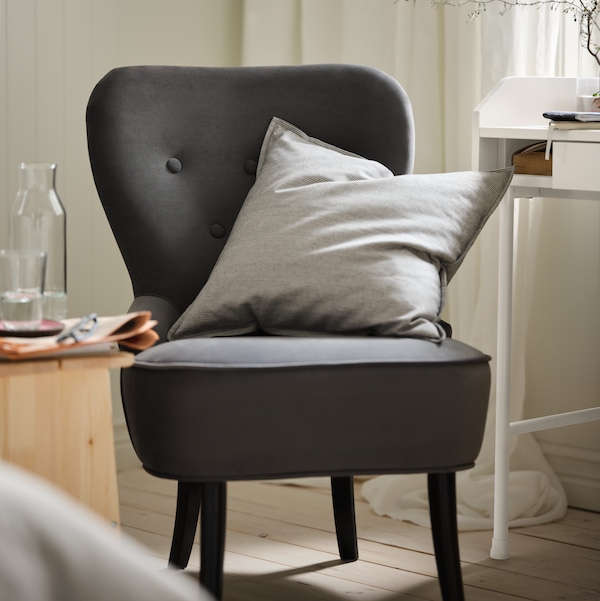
{"x":191,"y":138}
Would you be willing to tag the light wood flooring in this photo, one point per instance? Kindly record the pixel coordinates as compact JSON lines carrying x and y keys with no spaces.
{"x":281,"y":547}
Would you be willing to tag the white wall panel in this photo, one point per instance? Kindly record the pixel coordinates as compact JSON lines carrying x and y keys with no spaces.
{"x":20,"y":48}
{"x":50,"y":72}
{"x":563,"y":373}
{"x":52,"y":53}
{"x":4,"y":184}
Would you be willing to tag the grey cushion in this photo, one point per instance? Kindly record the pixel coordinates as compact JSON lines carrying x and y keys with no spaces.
{"x":328,"y":242}
{"x":276,"y":406}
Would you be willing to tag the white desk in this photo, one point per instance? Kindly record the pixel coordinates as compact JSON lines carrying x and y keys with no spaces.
{"x":509,"y":118}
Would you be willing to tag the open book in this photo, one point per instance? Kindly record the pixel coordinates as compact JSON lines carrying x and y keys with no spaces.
{"x":131,"y":330}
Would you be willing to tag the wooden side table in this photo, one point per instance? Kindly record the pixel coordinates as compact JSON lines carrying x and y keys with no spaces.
{"x":56,"y":421}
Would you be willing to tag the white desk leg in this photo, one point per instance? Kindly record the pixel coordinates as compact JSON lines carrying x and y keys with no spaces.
{"x":500,"y":546}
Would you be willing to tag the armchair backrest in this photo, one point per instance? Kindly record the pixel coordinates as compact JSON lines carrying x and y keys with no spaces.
{"x":174,"y":152}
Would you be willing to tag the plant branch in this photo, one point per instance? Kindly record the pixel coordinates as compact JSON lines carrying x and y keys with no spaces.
{"x":585,"y":12}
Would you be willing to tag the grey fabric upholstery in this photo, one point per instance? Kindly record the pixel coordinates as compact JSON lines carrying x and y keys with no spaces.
{"x":276,"y":407}
{"x":212,"y":122}
{"x":173,"y":152}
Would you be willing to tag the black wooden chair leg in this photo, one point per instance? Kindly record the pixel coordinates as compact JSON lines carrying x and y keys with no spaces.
{"x":212,"y":536}
{"x":342,"y":492}
{"x":186,"y":520}
{"x":442,"y":508}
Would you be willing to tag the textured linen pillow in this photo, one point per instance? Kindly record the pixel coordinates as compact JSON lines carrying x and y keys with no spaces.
{"x":328,"y":242}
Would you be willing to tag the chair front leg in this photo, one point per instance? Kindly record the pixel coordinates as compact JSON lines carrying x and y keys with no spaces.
{"x":444,"y":529}
{"x":213,"y":518}
{"x":342,"y":492}
{"x":186,"y":521}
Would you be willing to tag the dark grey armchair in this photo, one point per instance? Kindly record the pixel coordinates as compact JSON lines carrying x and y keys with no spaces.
{"x":174,"y":153}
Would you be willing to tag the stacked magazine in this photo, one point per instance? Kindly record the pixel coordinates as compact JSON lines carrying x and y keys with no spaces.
{"x":88,"y":335}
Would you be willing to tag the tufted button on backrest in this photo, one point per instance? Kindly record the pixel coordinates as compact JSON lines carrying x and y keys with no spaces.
{"x":217,"y":231}
{"x":250,"y":166}
{"x":174,"y":165}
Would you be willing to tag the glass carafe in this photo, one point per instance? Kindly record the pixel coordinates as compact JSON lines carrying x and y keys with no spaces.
{"x":38,"y":222}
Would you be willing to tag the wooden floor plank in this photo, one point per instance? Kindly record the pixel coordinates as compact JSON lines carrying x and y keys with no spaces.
{"x":564,"y":533}
{"x":270,"y":564}
{"x":580,"y":518}
{"x":281,"y":545}
{"x":263,"y":531}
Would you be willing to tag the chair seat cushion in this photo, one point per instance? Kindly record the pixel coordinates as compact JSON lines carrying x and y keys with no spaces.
{"x":193,"y":406}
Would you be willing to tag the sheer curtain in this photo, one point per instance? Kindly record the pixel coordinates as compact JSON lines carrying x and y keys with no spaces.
{"x":446,"y":64}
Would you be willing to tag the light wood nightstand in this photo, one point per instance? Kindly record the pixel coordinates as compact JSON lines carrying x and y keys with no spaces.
{"x":56,"y":421}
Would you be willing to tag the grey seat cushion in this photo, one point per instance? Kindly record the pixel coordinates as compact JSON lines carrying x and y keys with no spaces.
{"x":188,"y":398}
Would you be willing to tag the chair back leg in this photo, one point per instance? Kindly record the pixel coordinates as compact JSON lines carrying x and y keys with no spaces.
{"x":342,"y":492}
{"x":444,"y":529}
{"x":186,"y":521}
{"x":213,"y":518}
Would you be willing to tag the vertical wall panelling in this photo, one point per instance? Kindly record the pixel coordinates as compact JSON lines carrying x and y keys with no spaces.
{"x":52,"y":53}
{"x":19,"y":58}
{"x":49,"y":84}
{"x":564,"y":344}
{"x":78,"y":191}
{"x":4,"y":186}
{"x":104,"y":19}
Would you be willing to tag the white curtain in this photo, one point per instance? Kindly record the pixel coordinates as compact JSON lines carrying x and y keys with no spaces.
{"x":521,"y":42}
{"x":446,"y":64}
